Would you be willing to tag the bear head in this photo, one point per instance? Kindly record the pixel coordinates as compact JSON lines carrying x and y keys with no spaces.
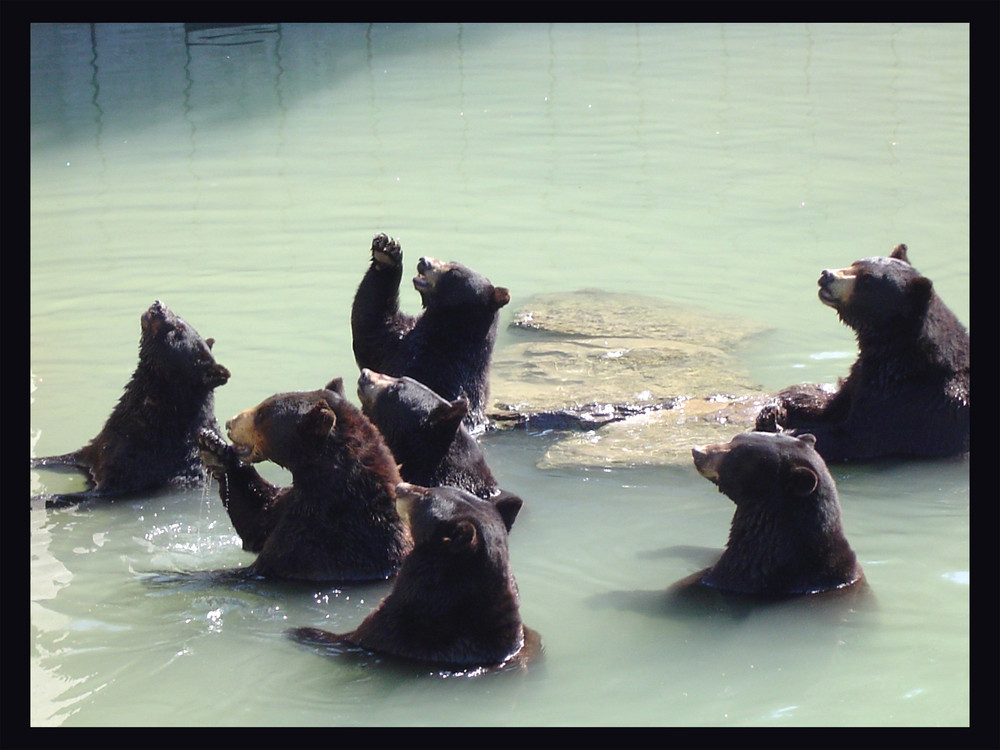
{"x":458,"y":524}
{"x":786,"y":535}
{"x":443,"y":285}
{"x":411,"y":417}
{"x":454,"y":600}
{"x":289,"y":429}
{"x":174,"y":350}
{"x":874,"y":293}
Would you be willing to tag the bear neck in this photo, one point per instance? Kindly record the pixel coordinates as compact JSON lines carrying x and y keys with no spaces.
{"x":474,"y":620}
{"x":772,"y":556}
{"x":343,"y":472}
{"x":917,"y":346}
{"x":166,"y":409}
{"x":464,"y":466}
{"x":469,"y":333}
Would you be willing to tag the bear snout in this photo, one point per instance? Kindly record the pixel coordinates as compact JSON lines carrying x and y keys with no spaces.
{"x":707,"y":459}
{"x":217,"y":375}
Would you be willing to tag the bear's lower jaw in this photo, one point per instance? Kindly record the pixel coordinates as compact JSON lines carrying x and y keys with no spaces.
{"x":827,"y":298}
{"x":246,"y":453}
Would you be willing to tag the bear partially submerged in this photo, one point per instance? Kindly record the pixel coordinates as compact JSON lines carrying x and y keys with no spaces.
{"x":338,"y":519}
{"x":150,"y":440}
{"x":908,"y":392}
{"x":786,"y":536}
{"x":426,"y":434}
{"x":455,"y":602}
{"x":448,"y":346}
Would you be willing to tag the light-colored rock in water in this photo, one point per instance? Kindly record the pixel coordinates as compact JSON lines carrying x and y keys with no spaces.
{"x":655,"y":438}
{"x":641,"y":370}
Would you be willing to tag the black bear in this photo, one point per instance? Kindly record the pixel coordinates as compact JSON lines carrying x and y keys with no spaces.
{"x":786,"y":536}
{"x":151,"y":438}
{"x":425,"y":434}
{"x":907,"y":394}
{"x":338,"y":519}
{"x":454,"y":602}
{"x":449,"y":346}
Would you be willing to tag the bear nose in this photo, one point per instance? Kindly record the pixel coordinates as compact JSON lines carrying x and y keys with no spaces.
{"x":826,"y":276}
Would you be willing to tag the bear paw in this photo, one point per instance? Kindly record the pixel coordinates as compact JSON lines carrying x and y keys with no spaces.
{"x":771,"y":417}
{"x":216,"y":455}
{"x":386,"y":252}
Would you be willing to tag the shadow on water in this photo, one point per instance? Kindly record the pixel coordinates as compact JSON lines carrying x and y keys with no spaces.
{"x":692,"y":602}
{"x":143,"y":71}
{"x":334,"y":646}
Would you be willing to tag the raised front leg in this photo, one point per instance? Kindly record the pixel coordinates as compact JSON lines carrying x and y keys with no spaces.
{"x":376,"y":322}
{"x":247,"y":497}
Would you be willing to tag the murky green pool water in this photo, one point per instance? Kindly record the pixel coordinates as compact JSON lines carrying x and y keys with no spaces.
{"x":239,"y":174}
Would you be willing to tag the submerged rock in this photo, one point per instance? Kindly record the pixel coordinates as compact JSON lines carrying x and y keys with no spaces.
{"x":630,"y":379}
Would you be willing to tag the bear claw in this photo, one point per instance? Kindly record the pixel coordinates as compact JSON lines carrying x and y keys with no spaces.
{"x":215,"y":453}
{"x":386,"y":252}
{"x":770,"y":418}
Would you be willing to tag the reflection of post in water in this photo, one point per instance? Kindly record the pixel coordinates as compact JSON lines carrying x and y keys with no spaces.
{"x":102,"y":173}
{"x":376,"y":156}
{"x":464,"y":153}
{"x":212,"y":36}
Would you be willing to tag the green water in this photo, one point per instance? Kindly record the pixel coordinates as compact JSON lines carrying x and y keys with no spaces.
{"x":239,"y":175}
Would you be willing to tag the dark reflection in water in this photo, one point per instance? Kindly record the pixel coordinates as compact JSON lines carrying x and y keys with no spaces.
{"x":140,"y":72}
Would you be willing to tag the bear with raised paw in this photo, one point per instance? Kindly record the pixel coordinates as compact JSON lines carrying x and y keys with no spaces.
{"x":150,"y":440}
{"x":786,"y":537}
{"x":426,"y":434}
{"x":454,"y":603}
{"x":907,"y":393}
{"x":338,"y":520}
{"x":448,"y":346}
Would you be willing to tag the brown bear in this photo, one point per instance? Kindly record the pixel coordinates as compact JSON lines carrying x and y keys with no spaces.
{"x":454,"y":603}
{"x":908,"y":392}
{"x":449,"y":346}
{"x":786,"y":536}
{"x":426,"y":434}
{"x":338,"y":519}
{"x":150,"y":440}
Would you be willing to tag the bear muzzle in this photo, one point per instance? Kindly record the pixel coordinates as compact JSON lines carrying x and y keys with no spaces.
{"x":835,"y":286}
{"x":371,"y":383}
{"x":429,"y":272}
{"x":707,"y":459}
{"x":240,"y":431}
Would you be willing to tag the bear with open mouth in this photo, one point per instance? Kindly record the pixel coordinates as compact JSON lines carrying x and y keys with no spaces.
{"x":338,"y":520}
{"x":448,"y":346}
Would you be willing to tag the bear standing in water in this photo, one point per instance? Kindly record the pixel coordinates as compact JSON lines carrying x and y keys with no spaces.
{"x":151,"y":438}
{"x":425,"y":434}
{"x":908,"y":392}
{"x":454,"y":602}
{"x":786,"y":536}
{"x":449,"y":346}
{"x":338,"y":519}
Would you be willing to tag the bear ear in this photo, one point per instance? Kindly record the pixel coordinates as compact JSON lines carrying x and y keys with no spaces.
{"x":501,"y":296}
{"x":337,"y":386}
{"x":508,"y":505}
{"x":464,"y":535}
{"x":899,"y":253}
{"x":920,"y":290}
{"x":210,"y":343}
{"x":318,"y":421}
{"x":802,"y":481}
{"x":808,"y":438}
{"x":449,"y":415}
